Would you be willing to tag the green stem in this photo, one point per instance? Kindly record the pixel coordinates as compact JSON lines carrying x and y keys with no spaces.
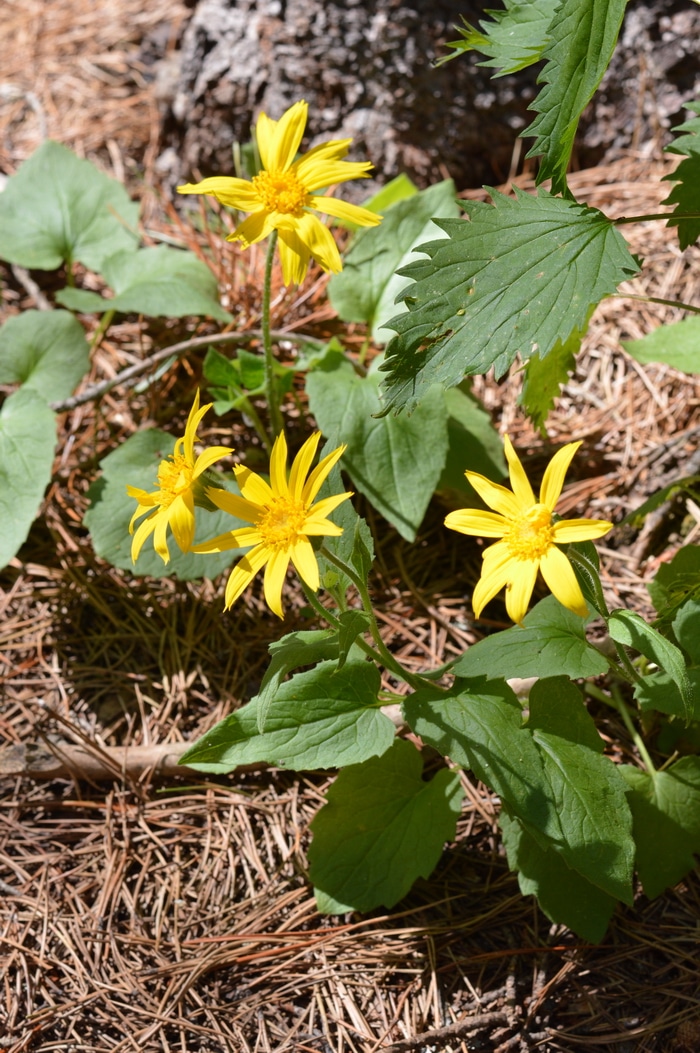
{"x":324,"y":613}
{"x":270,"y":386}
{"x":104,"y":324}
{"x":250,"y":411}
{"x":675,"y":216}
{"x":658,"y":299}
{"x":390,"y":662}
{"x":618,"y":703}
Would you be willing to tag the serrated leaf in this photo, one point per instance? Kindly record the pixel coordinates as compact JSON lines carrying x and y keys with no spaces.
{"x":367,"y":287}
{"x":582,"y":38}
{"x":27,"y":443}
{"x":159,"y":282}
{"x":396,"y":462}
{"x":513,"y":40}
{"x":686,"y":195}
{"x":631,"y":630}
{"x":382,"y":827}
{"x":550,"y":642}
{"x":676,"y":344}
{"x":564,"y":896}
{"x":306,"y":647}
{"x":545,"y":376}
{"x":59,"y":207}
{"x":45,"y":351}
{"x":135,"y":463}
{"x":517,"y":278}
{"x":322,"y":718}
{"x":666,"y":812}
{"x":659,"y":692}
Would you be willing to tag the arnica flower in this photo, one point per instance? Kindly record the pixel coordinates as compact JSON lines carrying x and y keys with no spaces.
{"x":281,"y":196}
{"x":283,"y":517}
{"x":529,"y":536}
{"x":180,"y":487}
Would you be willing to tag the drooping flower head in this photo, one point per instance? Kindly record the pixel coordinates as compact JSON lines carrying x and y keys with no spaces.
{"x":283,"y":515}
{"x":172,"y":504}
{"x":282,"y":195}
{"x":529,"y":536}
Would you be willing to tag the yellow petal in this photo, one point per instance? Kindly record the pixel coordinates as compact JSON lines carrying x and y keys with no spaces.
{"x":315,"y":171}
{"x":553,"y":479}
{"x":522,"y":578}
{"x":323,"y":468}
{"x":294,"y":257}
{"x":318,"y":527}
{"x":246,"y":537}
{"x":580,"y":529}
{"x":335,"y":206}
{"x":304,"y":559}
{"x":494,"y":576}
{"x":243,"y":573}
{"x":302,"y":464}
{"x":252,"y":486}
{"x":221,"y":543}
{"x":275,"y":573}
{"x":236,"y":193}
{"x":144,"y":531}
{"x":495,"y":496}
{"x":518,"y":480}
{"x":160,"y":532}
{"x":182,"y":521}
{"x":326,"y":506}
{"x":208,"y":457}
{"x":278,"y":141}
{"x":318,"y":240}
{"x":278,"y":467}
{"x":253,"y":229}
{"x":480,"y":524}
{"x":560,"y":578}
{"x":234,"y":505}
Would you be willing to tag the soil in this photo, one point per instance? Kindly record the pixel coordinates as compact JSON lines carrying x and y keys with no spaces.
{"x":157,"y":913}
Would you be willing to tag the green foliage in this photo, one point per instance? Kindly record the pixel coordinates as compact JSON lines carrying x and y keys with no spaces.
{"x":237,"y":380}
{"x":666,"y":814}
{"x":322,"y":718}
{"x":382,"y":827}
{"x":677,"y":581}
{"x":46,"y":351}
{"x":550,"y":771}
{"x":686,"y":195}
{"x":519,"y":278}
{"x":160,"y":282}
{"x":544,"y":376}
{"x":629,"y":629}
{"x":367,"y":287}
{"x":291,"y":652}
{"x":395,"y":462}
{"x":473,"y":443}
{"x":513,"y":40}
{"x":564,"y":896}
{"x":59,"y":208}
{"x":660,"y":690}
{"x":27,"y":443}
{"x":676,"y":344}
{"x":135,"y":463}
{"x":550,"y":642}
{"x":582,"y":38}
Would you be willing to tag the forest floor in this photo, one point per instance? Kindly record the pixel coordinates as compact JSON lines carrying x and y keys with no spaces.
{"x":173,"y":914}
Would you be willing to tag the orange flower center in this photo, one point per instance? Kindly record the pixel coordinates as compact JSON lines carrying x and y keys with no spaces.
{"x":174,"y":478}
{"x":282,"y":522}
{"x":280,"y":191}
{"x":530,"y":536}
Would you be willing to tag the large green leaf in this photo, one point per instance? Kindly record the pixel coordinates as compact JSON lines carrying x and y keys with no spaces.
{"x":666,"y":812}
{"x":58,"y":207}
{"x":582,"y":38}
{"x":676,"y":344}
{"x":519,"y":277}
{"x":473,"y":443}
{"x":159,"y":281}
{"x":686,"y":196}
{"x":135,"y":463}
{"x":550,"y":642}
{"x":564,"y":896}
{"x":323,"y":718}
{"x":46,"y":351}
{"x":27,"y":443}
{"x":513,"y":40}
{"x":631,"y":630}
{"x":367,"y":287}
{"x":383,"y":826}
{"x":306,"y":647}
{"x":396,"y":462}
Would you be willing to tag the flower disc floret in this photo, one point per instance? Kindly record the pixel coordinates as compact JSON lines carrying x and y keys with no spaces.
{"x":282,"y":196}
{"x":529,"y":536}
{"x":283,"y":514}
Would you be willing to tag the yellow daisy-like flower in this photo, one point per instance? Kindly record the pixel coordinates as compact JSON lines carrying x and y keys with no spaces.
{"x":283,"y":517}
{"x":179,"y":484}
{"x":529,"y":536}
{"x":281,"y":195}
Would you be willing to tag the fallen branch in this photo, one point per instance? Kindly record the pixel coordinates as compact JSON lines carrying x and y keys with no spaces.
{"x":63,"y":760}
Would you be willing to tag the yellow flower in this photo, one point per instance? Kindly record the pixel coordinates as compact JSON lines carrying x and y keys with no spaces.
{"x":280,"y":196}
{"x":179,"y":484}
{"x":283,"y":517}
{"x":529,"y":536}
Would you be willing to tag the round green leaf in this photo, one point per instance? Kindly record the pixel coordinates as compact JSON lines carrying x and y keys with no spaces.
{"x":45,"y":351}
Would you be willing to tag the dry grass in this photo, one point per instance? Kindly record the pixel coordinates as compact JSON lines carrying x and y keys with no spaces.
{"x":176,"y":916}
